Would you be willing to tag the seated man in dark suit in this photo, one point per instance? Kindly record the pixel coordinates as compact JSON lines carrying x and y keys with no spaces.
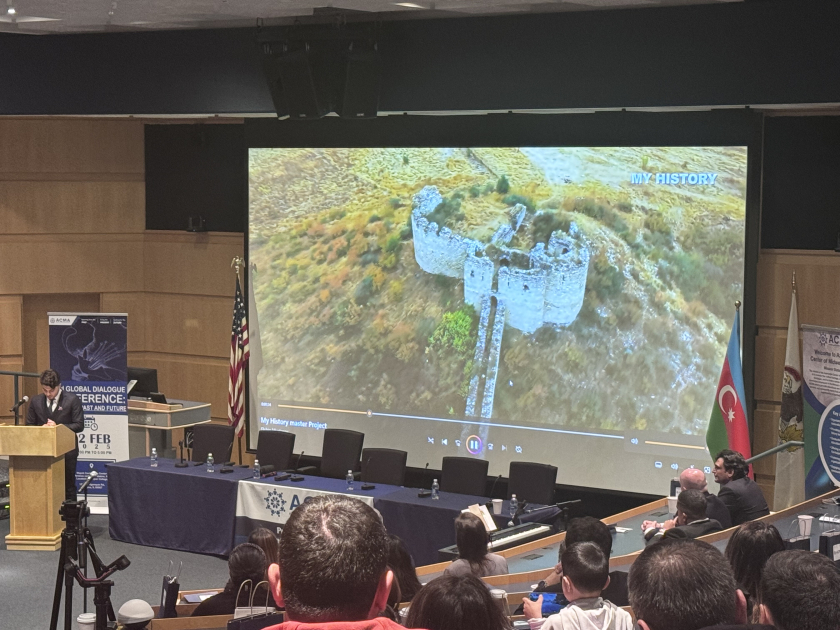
{"x":56,"y":406}
{"x":691,"y":520}
{"x":740,"y":494}
{"x":695,"y":479}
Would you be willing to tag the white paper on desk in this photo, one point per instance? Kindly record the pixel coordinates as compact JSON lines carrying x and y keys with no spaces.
{"x":622,"y":530}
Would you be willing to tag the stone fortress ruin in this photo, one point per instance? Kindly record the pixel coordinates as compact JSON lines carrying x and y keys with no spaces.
{"x":507,"y":287}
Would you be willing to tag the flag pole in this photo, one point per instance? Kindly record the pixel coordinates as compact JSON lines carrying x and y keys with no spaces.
{"x":236,"y":263}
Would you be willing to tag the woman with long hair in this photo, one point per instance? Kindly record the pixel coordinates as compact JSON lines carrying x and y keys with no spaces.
{"x":246,"y":562}
{"x":748,"y":551}
{"x":405,"y":576}
{"x":473,"y":558}
{"x":265,"y":539}
{"x":456,"y":603}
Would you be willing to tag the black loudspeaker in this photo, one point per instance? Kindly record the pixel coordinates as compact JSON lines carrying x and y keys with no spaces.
{"x":293,"y":83}
{"x":359,"y":96}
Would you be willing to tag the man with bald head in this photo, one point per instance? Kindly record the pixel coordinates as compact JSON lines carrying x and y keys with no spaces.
{"x":695,"y":479}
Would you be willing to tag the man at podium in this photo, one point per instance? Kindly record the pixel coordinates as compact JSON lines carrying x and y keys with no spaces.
{"x":56,"y":406}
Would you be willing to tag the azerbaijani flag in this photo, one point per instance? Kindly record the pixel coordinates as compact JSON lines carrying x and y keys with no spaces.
{"x":728,"y":424}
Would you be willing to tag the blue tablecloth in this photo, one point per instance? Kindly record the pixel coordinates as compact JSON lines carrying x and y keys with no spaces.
{"x":187,"y":509}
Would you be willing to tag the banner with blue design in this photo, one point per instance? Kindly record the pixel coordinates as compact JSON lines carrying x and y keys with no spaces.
{"x":821,"y":394}
{"x":89,"y":352}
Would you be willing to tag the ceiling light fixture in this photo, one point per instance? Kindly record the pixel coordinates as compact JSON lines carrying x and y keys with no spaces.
{"x":410,"y":5}
{"x":11,"y":10}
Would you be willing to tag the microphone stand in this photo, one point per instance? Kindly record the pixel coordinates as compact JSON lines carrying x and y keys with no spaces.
{"x":182,"y":463}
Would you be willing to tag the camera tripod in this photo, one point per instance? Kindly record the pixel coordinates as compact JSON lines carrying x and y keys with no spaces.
{"x":76,"y":545}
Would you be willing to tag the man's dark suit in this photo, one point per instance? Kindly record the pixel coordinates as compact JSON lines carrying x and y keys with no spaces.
{"x":68,"y":412}
{"x":744,"y":500}
{"x":694,"y":529}
{"x":717,"y":511}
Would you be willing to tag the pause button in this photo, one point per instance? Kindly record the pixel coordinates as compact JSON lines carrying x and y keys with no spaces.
{"x":474,"y":444}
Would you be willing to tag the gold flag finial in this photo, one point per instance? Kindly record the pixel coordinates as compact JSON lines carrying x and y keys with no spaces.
{"x":737,"y":304}
{"x":236,"y":263}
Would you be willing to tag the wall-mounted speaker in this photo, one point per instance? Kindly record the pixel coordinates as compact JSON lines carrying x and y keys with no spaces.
{"x":359,"y":96}
{"x":294,"y":84}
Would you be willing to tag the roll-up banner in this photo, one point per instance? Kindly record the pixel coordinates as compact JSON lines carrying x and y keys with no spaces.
{"x":88,"y":350}
{"x":821,"y":376}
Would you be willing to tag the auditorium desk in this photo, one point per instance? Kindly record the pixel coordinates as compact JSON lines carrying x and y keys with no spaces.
{"x":189,"y":509}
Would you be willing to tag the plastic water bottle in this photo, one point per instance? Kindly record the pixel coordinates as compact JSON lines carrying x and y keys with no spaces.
{"x":209,"y":462}
{"x":514,"y":505}
{"x":256,"y":469}
{"x":435,"y":489}
{"x":154,"y":458}
{"x":349,"y":479}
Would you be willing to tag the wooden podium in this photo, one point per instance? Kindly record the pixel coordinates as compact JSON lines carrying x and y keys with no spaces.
{"x":36,"y":478}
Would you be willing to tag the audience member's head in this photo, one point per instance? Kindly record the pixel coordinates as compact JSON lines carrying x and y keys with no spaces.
{"x":135,"y":614}
{"x":456,"y":603}
{"x":730,"y":465}
{"x":471,"y":539}
{"x":586,"y":570}
{"x":748,"y":551}
{"x":246,"y":562}
{"x":405,"y":576}
{"x":332,"y":562}
{"x":588,"y":529}
{"x":693,"y":479}
{"x":800,"y":590}
{"x":266,"y":540}
{"x":691,"y":506}
{"x":684,"y":584}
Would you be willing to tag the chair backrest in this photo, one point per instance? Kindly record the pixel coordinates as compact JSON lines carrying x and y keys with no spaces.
{"x":341,"y":452}
{"x":532,"y":482}
{"x":464,"y":475}
{"x":384,"y":465}
{"x":274,"y":448}
{"x":212,"y":438}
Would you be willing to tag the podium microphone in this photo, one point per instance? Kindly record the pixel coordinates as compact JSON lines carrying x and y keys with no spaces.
{"x":93,"y":475}
{"x":19,"y":403}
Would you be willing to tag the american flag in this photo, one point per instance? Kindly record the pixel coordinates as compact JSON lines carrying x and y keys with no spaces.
{"x":239,"y":354}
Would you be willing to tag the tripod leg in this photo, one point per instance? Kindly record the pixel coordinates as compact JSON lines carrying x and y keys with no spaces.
{"x":62,"y":558}
{"x":68,"y":600}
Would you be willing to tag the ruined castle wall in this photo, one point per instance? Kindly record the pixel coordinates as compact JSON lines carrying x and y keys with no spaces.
{"x":437,"y":250}
{"x":522,"y":291}
{"x":478,"y":279}
{"x":492,"y":366}
{"x":565,"y":279}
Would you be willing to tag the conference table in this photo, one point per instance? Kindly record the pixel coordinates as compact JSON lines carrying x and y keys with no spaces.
{"x":191,"y":509}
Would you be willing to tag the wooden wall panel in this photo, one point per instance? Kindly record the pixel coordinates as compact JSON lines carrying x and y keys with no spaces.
{"x":134,"y":305}
{"x":191,"y":264}
{"x":43,"y":145}
{"x":818,"y":286}
{"x":82,"y":263}
{"x":189,"y":378}
{"x":12,"y":364}
{"x":188,"y":324}
{"x":770,"y":347}
{"x":11,"y":336}
{"x":41,"y":207}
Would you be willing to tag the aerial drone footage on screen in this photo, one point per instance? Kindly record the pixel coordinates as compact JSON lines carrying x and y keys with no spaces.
{"x":535,"y":289}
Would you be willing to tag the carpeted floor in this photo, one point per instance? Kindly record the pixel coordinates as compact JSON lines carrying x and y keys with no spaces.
{"x":27,"y":578}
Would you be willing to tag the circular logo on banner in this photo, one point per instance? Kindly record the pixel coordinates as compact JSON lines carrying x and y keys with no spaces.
{"x":829,"y":440}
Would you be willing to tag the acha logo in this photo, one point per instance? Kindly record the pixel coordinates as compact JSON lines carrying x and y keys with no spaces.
{"x":275,"y":503}
{"x":823,"y":339}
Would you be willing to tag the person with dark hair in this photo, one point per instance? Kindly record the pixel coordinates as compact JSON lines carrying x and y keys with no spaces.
{"x":800,"y":590}
{"x":685,"y":584}
{"x":55,"y":406}
{"x":265,"y":539}
{"x":405,"y":576}
{"x":741,"y":495}
{"x":691,"y":520}
{"x":246,"y":562}
{"x":695,"y":479}
{"x":456,"y":603}
{"x":332,"y":569}
{"x":585,"y":575}
{"x":748,"y":550}
{"x":588,"y":529}
{"x":471,"y":538}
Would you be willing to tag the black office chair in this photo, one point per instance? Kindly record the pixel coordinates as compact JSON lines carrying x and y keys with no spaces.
{"x":464,"y":475}
{"x":341,"y":452}
{"x":383,"y":465}
{"x":212,"y":438}
{"x":532,"y":482}
{"x":274,"y":448}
